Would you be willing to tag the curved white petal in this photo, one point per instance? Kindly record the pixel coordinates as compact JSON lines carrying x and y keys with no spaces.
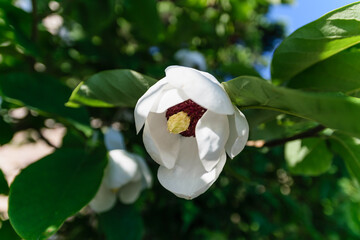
{"x":212,"y":132}
{"x":113,"y":139}
{"x":200,"y":88}
{"x":137,"y":176}
{"x":130,"y":192}
{"x":145,"y":103}
{"x":188,"y":179}
{"x":146,"y":175}
{"x":239,"y":133}
{"x":161,"y":145}
{"x":168,"y":98}
{"x":121,"y":169}
{"x":104,"y":199}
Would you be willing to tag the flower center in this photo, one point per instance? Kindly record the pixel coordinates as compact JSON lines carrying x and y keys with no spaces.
{"x":178,"y":122}
{"x":183,"y":117}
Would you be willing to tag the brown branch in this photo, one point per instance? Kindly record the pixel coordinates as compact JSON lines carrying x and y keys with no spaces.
{"x":309,"y":133}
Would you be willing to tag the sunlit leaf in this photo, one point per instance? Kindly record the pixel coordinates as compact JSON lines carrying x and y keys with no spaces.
{"x":111,"y":88}
{"x":317,"y":41}
{"x":340,"y":72}
{"x":330,"y":109}
{"x":308,"y":156}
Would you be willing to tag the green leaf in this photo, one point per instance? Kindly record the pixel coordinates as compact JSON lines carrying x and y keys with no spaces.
{"x":317,"y":41}
{"x":121,"y":222}
{"x":308,"y":156}
{"x":45,"y":94}
{"x":52,"y":189}
{"x":333,"y":110}
{"x":7,"y":232}
{"x":4,"y":187}
{"x":340,"y":72}
{"x":111,"y":88}
{"x":348,"y":148}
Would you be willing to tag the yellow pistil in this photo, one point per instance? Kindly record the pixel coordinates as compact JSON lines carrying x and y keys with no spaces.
{"x":178,"y":122}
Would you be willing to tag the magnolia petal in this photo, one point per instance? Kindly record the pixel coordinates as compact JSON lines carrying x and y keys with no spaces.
{"x":104,"y":199}
{"x":161,"y":145}
{"x":169,"y":98}
{"x":188,"y":179}
{"x":113,"y":139}
{"x":146,"y":174}
{"x":239,"y":133}
{"x":145,"y":103}
{"x":130,"y":192}
{"x":121,"y":169}
{"x":212,"y":132}
{"x":199,"y":88}
{"x":137,"y":176}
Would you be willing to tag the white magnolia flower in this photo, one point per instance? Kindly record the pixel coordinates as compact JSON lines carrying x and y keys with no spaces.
{"x":125,"y":176}
{"x":190,"y":123}
{"x":192,"y":59}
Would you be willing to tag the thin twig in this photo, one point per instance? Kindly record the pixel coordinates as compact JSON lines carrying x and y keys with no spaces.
{"x":42,"y":137}
{"x":309,"y":133}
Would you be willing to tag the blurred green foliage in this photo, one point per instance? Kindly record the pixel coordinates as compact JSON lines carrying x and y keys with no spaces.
{"x":48,"y":51}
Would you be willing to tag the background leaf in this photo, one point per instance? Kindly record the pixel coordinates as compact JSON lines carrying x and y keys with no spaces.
{"x":348,"y":148}
{"x":111,"y":88}
{"x":121,"y":222}
{"x":45,"y":94}
{"x":330,"y":109}
{"x":317,"y":41}
{"x":7,"y":232}
{"x":52,"y":189}
{"x":148,"y":25}
{"x":309,"y":156}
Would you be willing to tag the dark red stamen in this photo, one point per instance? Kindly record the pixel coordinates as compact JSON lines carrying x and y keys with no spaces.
{"x":193,"y":110}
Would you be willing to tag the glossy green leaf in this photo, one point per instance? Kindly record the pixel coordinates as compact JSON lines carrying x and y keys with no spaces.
{"x":111,"y":88}
{"x":7,"y":232}
{"x":340,"y":72}
{"x":333,"y":110}
{"x":308,"y":156}
{"x":52,"y":189}
{"x":4,"y":187}
{"x":348,"y":148}
{"x":45,"y":94}
{"x":317,"y":41}
{"x":122,"y":222}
